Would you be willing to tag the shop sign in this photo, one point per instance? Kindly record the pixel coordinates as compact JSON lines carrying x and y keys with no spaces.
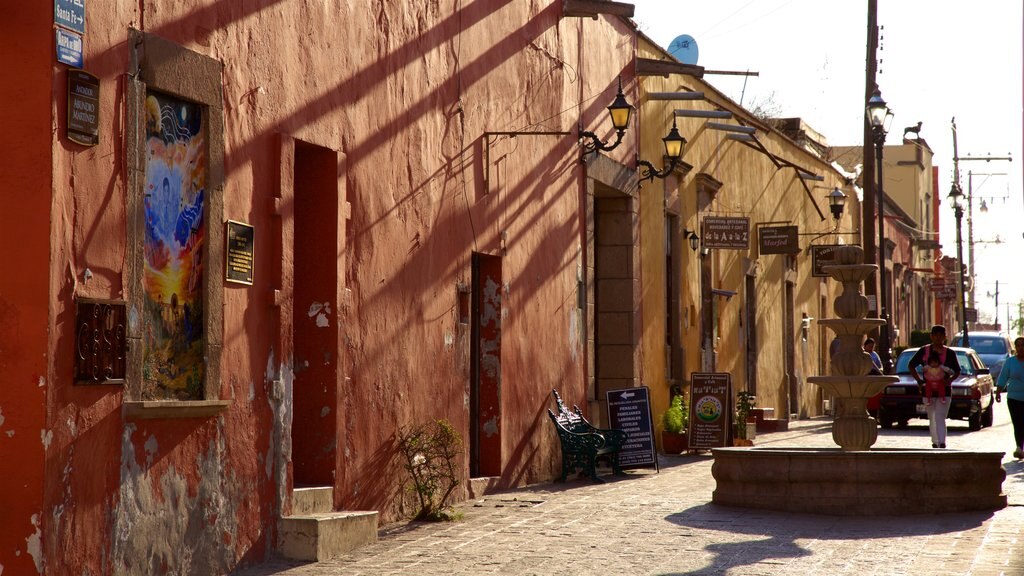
{"x":710,"y":410}
{"x":822,"y":255}
{"x":778,"y":240}
{"x":83,"y":108}
{"x":629,"y":410}
{"x":726,"y":232}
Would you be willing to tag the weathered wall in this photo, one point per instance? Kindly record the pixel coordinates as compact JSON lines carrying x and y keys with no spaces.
{"x":25,"y":111}
{"x":404,"y":94}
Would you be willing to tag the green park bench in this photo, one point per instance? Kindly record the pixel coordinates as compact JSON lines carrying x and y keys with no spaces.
{"x":583,"y":444}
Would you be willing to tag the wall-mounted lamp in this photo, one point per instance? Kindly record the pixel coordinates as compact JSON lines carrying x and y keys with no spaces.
{"x":620,"y":111}
{"x":692,"y":237}
{"x":836,"y":202}
{"x":673,"y":150}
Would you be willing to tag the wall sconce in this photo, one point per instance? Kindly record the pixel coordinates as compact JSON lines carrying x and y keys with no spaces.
{"x":836,"y":202}
{"x":620,"y":111}
{"x":673,"y":149}
{"x":692,"y":237}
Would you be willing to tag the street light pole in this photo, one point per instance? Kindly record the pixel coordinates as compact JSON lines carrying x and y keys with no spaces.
{"x":956,"y":196}
{"x":880,"y":117}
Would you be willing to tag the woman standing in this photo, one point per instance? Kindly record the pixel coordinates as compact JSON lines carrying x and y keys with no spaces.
{"x":1011,"y":381}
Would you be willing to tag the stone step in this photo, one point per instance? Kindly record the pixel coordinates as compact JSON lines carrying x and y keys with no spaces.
{"x":326,"y":535}
{"x":312,"y":500}
{"x":772,"y":425}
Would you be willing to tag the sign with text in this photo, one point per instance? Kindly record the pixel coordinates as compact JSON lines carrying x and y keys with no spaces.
{"x":240,"y":251}
{"x":83,"y":108}
{"x":822,"y":255}
{"x":629,"y":410}
{"x":69,"y":48}
{"x":970,"y":314}
{"x":710,"y":409}
{"x":726,"y":232}
{"x":70,"y":14}
{"x":778,"y":240}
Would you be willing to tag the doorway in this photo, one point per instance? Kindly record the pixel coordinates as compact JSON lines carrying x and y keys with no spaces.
{"x":315,"y":316}
{"x":485,"y":367}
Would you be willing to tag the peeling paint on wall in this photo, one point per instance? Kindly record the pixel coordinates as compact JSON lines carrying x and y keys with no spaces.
{"x":281,"y":379}
{"x":160,"y":527}
{"x":491,"y":427}
{"x":33,"y":544}
{"x":320,"y":311}
{"x":47,"y":437}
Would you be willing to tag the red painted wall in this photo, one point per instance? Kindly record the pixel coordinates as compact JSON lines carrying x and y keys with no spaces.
{"x":406,"y":94}
{"x":25,"y":110}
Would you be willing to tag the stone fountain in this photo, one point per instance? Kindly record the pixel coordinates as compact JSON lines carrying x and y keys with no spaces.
{"x":853,"y":479}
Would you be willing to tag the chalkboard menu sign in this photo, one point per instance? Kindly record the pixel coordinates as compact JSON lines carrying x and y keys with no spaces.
{"x":629,"y":410}
{"x":240,"y":251}
{"x":710,"y":409}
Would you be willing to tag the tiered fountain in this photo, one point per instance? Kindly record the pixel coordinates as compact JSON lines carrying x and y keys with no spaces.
{"x":854,"y":480}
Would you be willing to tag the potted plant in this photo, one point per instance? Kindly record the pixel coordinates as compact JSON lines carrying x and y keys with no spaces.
{"x":673,"y":423}
{"x":745,"y":424}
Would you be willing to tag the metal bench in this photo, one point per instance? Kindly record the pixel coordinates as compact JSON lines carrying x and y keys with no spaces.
{"x":582,"y":443}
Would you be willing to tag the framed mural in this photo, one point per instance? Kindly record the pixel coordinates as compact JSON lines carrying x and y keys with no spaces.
{"x":175,"y":231}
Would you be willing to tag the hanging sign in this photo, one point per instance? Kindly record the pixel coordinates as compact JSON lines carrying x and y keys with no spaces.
{"x":241,"y":250}
{"x":710,"y":409}
{"x":629,"y":410}
{"x":822,"y":255}
{"x":778,"y":240}
{"x":83,"y":108}
{"x":726,"y":232}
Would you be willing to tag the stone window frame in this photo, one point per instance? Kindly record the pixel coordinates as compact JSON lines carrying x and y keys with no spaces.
{"x":159,"y":65}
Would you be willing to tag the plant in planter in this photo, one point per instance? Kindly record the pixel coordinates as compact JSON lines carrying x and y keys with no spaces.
{"x":744,"y":423}
{"x":674,"y":422}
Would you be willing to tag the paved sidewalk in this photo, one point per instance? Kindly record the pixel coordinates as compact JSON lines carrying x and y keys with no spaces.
{"x":663,"y":523}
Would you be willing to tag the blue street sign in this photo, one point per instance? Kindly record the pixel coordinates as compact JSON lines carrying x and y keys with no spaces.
{"x":69,"y":48}
{"x":70,"y":14}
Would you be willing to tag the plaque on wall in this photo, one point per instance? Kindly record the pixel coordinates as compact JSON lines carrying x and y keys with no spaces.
{"x":83,"y":108}
{"x":240,"y":251}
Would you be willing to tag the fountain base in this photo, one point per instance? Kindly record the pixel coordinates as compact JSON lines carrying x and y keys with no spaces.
{"x":880,"y":482}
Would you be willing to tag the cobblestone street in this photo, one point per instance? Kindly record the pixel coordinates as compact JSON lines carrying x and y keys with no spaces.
{"x":664,"y":523}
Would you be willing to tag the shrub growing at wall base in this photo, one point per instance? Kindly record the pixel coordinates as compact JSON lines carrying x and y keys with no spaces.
{"x":431,"y":454}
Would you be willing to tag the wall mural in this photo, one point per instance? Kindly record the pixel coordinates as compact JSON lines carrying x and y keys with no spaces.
{"x":176,"y":168}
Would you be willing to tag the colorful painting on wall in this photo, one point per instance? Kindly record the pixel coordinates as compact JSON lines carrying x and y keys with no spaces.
{"x":176,"y":169}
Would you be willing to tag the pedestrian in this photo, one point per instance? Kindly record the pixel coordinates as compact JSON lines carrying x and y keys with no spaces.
{"x":1011,"y":381}
{"x":869,"y":347}
{"x":937,"y":411}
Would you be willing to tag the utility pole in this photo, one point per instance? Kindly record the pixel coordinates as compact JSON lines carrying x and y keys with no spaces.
{"x":868,"y":175}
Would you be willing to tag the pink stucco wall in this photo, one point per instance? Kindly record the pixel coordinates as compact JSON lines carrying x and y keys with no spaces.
{"x":404,"y":94}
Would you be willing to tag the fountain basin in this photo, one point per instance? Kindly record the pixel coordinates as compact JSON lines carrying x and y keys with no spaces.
{"x":879,"y":482}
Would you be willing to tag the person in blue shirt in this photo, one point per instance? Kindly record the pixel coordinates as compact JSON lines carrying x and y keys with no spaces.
{"x":1011,"y":381}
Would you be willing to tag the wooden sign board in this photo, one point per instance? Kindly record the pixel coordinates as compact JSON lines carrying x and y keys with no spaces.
{"x":726,"y":232}
{"x":629,"y":410}
{"x":778,"y":240}
{"x":822,"y":255}
{"x":710,"y":410}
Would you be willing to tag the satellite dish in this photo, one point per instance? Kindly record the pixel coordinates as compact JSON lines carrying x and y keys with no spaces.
{"x":684,"y":48}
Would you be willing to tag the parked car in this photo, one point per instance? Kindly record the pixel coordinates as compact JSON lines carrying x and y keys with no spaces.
{"x":993,"y":348}
{"x":972,"y":397}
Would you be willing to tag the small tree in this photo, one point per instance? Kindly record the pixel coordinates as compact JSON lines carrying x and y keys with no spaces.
{"x":431,"y":453}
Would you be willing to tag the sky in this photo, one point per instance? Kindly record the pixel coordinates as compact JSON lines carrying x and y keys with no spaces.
{"x":939,"y":59}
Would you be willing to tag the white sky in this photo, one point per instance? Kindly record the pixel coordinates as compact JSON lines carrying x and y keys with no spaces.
{"x":939,"y":59}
